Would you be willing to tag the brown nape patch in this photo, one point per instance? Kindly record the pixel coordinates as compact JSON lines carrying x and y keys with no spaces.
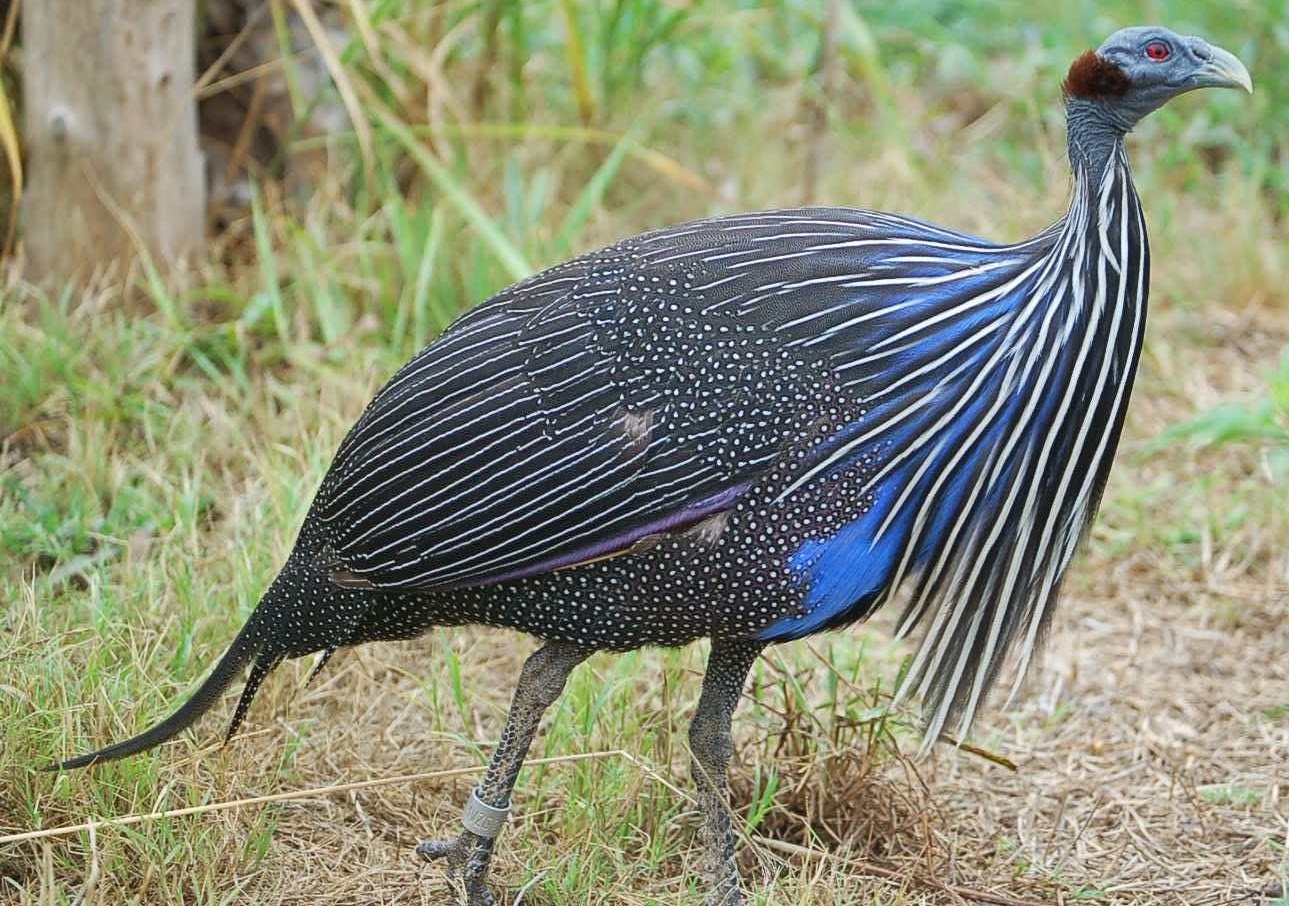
{"x":1093,"y":77}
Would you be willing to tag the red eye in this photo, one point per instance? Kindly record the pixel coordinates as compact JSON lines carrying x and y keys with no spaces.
{"x":1158,"y":50}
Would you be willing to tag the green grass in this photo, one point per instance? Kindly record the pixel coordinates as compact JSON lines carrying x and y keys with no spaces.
{"x":1231,"y":794}
{"x":160,"y":438}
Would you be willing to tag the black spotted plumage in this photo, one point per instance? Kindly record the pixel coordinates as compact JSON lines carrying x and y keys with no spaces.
{"x":750,"y":428}
{"x":597,"y":399}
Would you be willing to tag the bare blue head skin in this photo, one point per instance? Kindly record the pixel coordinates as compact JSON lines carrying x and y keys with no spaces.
{"x":1135,"y":72}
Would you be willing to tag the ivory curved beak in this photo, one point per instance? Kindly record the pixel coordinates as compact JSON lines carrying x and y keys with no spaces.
{"x":1223,"y":70}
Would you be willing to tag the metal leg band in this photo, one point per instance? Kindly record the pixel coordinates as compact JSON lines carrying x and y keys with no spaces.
{"x":481,"y":818}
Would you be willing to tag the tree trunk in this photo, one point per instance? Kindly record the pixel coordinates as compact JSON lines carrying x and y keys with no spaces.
{"x":111,"y":134}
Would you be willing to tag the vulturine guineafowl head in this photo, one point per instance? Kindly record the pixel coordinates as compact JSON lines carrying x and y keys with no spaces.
{"x":751,"y":429}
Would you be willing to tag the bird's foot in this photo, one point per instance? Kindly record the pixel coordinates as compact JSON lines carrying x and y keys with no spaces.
{"x":467,"y":857}
{"x":719,"y":868}
{"x":726,"y":892}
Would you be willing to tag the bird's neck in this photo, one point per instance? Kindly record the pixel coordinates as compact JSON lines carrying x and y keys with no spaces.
{"x":1096,"y":133}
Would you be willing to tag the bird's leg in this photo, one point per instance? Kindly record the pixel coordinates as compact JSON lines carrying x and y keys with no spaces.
{"x":540,"y":683}
{"x":709,"y":741}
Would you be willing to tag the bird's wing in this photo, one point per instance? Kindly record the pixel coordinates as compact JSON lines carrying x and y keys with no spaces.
{"x":612,"y":398}
{"x":629,"y":393}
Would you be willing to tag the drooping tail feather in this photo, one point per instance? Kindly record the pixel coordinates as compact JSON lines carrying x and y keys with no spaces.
{"x":262,"y":667}
{"x":239,"y":653}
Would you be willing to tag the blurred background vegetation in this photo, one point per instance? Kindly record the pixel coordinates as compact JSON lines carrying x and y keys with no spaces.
{"x":162,"y":430}
{"x":473,"y":142}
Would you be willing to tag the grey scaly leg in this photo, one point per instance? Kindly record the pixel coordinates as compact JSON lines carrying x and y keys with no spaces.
{"x":709,"y":741}
{"x":540,"y":683}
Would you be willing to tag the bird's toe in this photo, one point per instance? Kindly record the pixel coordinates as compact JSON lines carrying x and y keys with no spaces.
{"x":433,"y":850}
{"x":479,"y":895}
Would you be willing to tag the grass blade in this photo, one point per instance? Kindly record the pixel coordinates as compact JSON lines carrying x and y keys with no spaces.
{"x":13,"y":156}
{"x":590,"y":197}
{"x":505,"y":251}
